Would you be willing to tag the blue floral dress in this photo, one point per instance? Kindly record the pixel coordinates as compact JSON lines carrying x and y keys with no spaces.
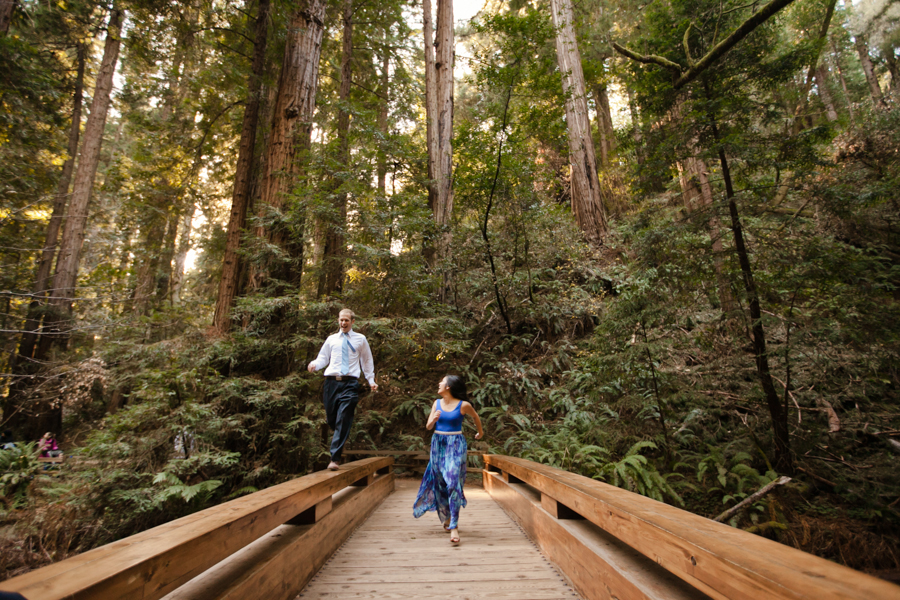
{"x":442,"y":484}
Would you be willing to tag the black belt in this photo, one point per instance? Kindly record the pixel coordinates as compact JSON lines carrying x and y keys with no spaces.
{"x":340,"y":377}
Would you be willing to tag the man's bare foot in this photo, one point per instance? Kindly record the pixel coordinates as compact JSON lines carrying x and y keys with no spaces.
{"x":454,"y":536}
{"x":333,"y":466}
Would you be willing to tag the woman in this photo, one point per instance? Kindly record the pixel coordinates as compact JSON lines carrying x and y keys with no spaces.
{"x":48,"y":446}
{"x":442,"y":485}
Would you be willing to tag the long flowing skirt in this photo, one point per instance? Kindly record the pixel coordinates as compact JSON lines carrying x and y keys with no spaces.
{"x":442,"y":485}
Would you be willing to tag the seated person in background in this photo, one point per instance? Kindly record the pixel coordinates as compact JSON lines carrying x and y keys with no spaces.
{"x":48,"y":446}
{"x":6,"y":440}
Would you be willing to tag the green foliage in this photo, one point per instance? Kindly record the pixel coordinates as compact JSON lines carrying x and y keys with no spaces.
{"x":20,"y":468}
{"x":635,"y":473}
{"x":199,"y":492}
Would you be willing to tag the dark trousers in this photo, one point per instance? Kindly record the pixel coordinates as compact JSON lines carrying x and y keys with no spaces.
{"x":340,"y":399}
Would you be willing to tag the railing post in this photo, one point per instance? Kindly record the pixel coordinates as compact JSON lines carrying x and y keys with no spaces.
{"x":365,"y":481}
{"x":313,"y":514}
{"x":510,"y":478}
{"x":558,"y":510}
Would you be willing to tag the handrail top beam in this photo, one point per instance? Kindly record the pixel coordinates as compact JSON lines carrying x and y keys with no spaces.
{"x":718,"y":559}
{"x":135,"y":561}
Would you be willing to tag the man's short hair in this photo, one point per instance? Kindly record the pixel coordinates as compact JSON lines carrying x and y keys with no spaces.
{"x":348,"y":312}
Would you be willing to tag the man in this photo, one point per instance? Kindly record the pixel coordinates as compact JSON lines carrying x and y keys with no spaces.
{"x":344,"y":354}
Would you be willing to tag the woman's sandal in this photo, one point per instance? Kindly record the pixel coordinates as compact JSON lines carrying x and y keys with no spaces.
{"x":454,"y":539}
{"x":447,"y":525}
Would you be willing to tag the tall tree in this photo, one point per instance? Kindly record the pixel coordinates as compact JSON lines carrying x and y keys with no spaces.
{"x":862,"y":49}
{"x":243,"y":176}
{"x":291,"y":127}
{"x":331,"y":278}
{"x":63,"y":291}
{"x":587,"y":203}
{"x":605,"y":130}
{"x":439,"y":112}
{"x":26,"y":348}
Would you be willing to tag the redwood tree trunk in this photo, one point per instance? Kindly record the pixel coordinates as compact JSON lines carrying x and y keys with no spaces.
{"x":605,"y":129}
{"x":893,"y":66}
{"x":862,"y":48}
{"x":89,"y":158}
{"x":840,"y":72}
{"x":184,"y":246}
{"x":586,"y":201}
{"x":162,"y":280}
{"x":440,"y":118}
{"x":294,"y":106}
{"x":331,"y":279}
{"x":824,"y":93}
{"x":26,"y":349}
{"x":6,"y":11}
{"x":382,"y":123}
{"x":430,"y":98}
{"x":240,"y":198}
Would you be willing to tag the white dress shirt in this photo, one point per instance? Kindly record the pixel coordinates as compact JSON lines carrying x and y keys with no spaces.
{"x":360,"y":355}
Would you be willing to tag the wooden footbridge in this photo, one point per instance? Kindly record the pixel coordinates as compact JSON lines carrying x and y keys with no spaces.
{"x":533,"y":532}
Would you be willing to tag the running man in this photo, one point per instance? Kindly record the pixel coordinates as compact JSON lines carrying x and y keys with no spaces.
{"x":343,"y":355}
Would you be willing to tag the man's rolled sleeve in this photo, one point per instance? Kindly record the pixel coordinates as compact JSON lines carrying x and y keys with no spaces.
{"x":367,"y":362}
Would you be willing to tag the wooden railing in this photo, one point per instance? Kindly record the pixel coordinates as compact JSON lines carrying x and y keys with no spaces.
{"x":265,"y":545}
{"x":612,"y":543}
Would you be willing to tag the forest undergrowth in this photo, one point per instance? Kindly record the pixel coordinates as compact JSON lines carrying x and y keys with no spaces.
{"x":631,"y":359}
{"x":619,"y":365}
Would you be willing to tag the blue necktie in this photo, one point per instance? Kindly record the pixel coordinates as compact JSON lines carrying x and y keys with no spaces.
{"x":346,"y":347}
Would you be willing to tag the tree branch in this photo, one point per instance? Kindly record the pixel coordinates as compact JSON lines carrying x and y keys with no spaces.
{"x":728,"y":43}
{"x":685,"y":76}
{"x":687,"y":44}
{"x":751,"y":499}
{"x":650,"y":59}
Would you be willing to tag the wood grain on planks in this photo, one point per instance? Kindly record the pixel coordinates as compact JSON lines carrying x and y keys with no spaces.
{"x":394,"y":555}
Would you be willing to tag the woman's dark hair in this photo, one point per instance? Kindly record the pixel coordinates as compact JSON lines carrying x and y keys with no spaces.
{"x":457,"y":387}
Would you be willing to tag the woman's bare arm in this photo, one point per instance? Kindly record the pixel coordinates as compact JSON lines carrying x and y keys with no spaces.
{"x":468,"y":409}
{"x":433,"y":417}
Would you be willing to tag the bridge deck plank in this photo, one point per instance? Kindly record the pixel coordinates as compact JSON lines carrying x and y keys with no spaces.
{"x":393,"y":555}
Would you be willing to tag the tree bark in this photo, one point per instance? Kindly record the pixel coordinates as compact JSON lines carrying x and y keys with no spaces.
{"x":893,"y":66}
{"x":153,"y":233}
{"x":824,"y":94}
{"x":331,"y":278}
{"x":382,"y":120}
{"x":840,"y":71}
{"x":601,"y":130}
{"x":430,"y":103}
{"x":7,"y":7}
{"x":698,"y":195}
{"x":33,"y":323}
{"x":587,"y":203}
{"x":862,"y":48}
{"x":726,"y":299}
{"x":88,"y":160}
{"x":604,"y":125}
{"x":291,"y":125}
{"x":184,"y":246}
{"x":162,"y":280}
{"x":243,"y":175}
{"x":440,"y":151}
